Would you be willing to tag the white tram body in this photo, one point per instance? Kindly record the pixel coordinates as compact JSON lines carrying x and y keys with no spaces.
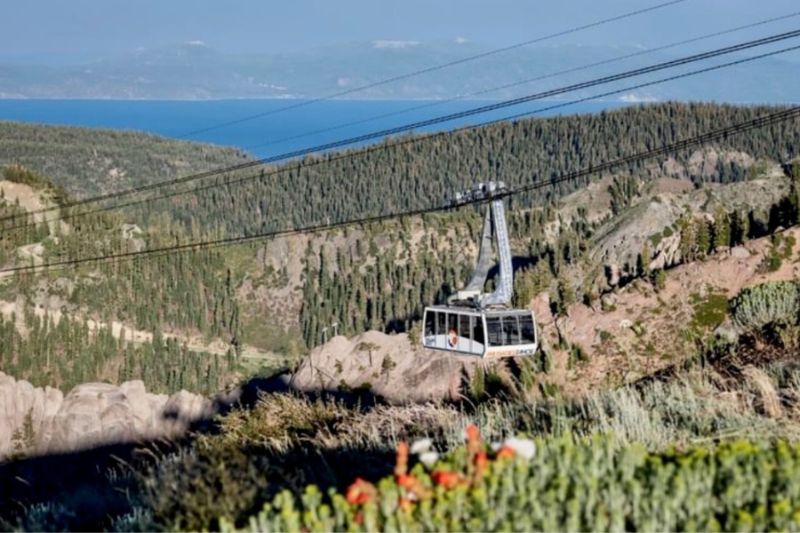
{"x":482,"y":333}
{"x":474,"y":323}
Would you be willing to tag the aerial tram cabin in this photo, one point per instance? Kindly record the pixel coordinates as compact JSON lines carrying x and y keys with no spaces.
{"x":477,"y":324}
{"x":491,"y":333}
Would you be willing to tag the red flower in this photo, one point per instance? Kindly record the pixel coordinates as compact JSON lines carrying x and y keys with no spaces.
{"x":406,"y":481}
{"x":446,"y":479}
{"x":360,"y":492}
{"x":413,"y":486}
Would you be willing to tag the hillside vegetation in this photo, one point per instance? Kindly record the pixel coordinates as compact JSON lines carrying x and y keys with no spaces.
{"x":280,"y":296}
{"x":711,"y":444}
{"x":88,"y":162}
{"x":666,"y":394}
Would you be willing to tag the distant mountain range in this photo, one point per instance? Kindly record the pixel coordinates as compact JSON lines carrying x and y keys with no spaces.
{"x":194,"y":70}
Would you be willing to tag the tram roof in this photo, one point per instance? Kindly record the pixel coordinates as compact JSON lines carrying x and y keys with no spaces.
{"x":454,"y":309}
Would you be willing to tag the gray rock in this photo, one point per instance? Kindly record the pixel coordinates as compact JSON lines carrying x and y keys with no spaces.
{"x":91,"y":414}
{"x":727,"y":331}
{"x":608,"y":301}
{"x":413,"y":374}
{"x":740,"y":252}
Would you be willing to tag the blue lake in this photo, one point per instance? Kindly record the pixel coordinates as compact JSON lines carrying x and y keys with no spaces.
{"x":284,"y":125}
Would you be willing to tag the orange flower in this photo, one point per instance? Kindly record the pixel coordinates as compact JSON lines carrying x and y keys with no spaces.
{"x":473,"y":433}
{"x":401,"y":464}
{"x":406,"y":481}
{"x":473,"y":440}
{"x":413,"y":486}
{"x":360,"y":492}
{"x":446,"y":479}
{"x":481,"y":464}
{"x":404,"y":503}
{"x":505,"y":452}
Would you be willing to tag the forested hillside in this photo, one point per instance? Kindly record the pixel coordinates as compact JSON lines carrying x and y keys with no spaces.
{"x":44,"y":331}
{"x":285,"y":296}
{"x":91,"y":161}
{"x":422,"y":174}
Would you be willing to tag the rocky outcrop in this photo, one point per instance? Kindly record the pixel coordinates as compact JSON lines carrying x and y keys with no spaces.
{"x":384,"y":365}
{"x":37,"y":420}
{"x":652,"y":224}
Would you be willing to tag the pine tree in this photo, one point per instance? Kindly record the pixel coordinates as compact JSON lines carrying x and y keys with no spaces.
{"x":702,"y":237}
{"x":721,"y":235}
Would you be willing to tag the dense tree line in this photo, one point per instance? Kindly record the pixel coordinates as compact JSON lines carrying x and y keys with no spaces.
{"x":329,"y":188}
{"x":89,"y":161}
{"x":384,"y":279}
{"x":67,"y":352}
{"x":190,"y":293}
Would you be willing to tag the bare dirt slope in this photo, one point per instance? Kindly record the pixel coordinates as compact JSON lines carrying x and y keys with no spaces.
{"x":643,"y":329}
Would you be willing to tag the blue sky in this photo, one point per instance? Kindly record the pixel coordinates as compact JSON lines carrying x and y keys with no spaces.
{"x":59,"y":31}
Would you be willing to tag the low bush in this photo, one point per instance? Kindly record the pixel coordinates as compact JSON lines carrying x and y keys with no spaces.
{"x":773,"y":303}
{"x":567,"y":484}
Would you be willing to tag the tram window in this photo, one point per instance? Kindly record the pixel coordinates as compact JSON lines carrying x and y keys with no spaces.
{"x":526,"y":329}
{"x":510,"y":330}
{"x":477,"y":330}
{"x":441,"y":323}
{"x":463,"y":328}
{"x":430,"y":323}
{"x":494,"y":331}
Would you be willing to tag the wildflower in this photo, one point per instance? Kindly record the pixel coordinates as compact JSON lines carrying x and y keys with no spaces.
{"x":446,"y":479}
{"x":524,"y":448}
{"x":414,"y":489}
{"x":421,"y":446}
{"x":401,"y":464}
{"x":360,"y":492}
{"x":404,"y":504}
{"x":428,"y":458}
{"x":472,"y":433}
{"x":405,"y":480}
{"x":481,"y":464}
{"x":505,"y":452}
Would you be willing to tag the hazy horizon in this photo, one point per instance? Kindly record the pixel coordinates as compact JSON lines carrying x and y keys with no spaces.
{"x":58,"y":33}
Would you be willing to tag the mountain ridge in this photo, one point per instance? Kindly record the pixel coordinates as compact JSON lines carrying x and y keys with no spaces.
{"x":196,"y":71}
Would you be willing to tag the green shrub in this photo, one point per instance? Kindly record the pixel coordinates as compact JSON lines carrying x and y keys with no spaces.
{"x":577,"y":355}
{"x":709,"y":312}
{"x":659,"y":278}
{"x":569,"y":485}
{"x":772,"y":303}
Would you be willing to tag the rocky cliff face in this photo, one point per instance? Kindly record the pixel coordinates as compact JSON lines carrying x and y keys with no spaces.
{"x":40,"y":420}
